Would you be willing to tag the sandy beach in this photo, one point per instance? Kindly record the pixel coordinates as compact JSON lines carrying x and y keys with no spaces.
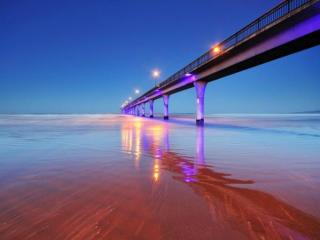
{"x":123,"y":177}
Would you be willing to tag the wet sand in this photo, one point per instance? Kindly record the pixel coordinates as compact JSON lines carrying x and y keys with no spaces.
{"x":116,"y":177}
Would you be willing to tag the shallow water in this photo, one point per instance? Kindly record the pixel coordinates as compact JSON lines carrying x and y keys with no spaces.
{"x":122,"y":177}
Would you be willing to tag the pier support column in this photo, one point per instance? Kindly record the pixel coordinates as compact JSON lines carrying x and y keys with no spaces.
{"x":151,"y":108}
{"x":166,"y":107}
{"x":143,"y":109}
{"x":138,"y":110}
{"x":200,"y":89}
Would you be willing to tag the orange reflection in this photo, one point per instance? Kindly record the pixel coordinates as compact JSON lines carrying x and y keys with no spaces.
{"x":156,"y":170}
{"x":256,"y":214}
{"x":131,"y":138}
{"x":234,"y":207}
{"x":126,"y":139}
{"x":157,"y":133}
{"x":137,"y":128}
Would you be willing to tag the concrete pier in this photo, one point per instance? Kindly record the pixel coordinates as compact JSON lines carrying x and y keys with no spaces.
{"x":200,"y":87}
{"x":166,"y":107}
{"x":151,"y":108}
{"x":143,"y":110}
{"x":286,"y":29}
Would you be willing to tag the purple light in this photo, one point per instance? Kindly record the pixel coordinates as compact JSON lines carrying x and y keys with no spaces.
{"x":189,"y":171}
{"x":189,"y":76}
{"x":189,"y":179}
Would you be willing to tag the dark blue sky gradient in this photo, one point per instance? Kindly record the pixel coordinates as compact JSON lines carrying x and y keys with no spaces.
{"x":87,"y":56}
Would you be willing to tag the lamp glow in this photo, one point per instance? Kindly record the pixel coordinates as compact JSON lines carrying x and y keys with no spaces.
{"x":156,"y":73}
{"x":217,"y":49}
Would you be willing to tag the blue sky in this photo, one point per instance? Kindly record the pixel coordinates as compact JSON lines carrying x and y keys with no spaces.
{"x":88,"y":56}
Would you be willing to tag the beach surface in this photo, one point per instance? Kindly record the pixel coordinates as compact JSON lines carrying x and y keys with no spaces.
{"x":123,"y":177}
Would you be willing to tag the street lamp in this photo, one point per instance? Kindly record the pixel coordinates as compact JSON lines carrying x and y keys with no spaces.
{"x":136,"y":91}
{"x":155,"y":75}
{"x":130,"y":98}
{"x":216,"y":49}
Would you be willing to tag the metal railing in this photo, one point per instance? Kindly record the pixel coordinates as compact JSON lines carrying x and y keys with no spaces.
{"x":277,"y":13}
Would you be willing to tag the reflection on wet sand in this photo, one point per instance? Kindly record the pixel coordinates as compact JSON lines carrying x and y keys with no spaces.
{"x":134,"y":185}
{"x":233,"y":207}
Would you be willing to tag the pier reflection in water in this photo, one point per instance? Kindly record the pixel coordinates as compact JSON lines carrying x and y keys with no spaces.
{"x":115,"y":177}
{"x":235,"y":210}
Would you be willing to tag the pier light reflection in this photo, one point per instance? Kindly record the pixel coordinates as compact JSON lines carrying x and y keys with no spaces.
{"x":156,"y":170}
{"x":139,"y":135}
{"x":233,"y":200}
{"x":189,"y":171}
{"x":200,"y":155}
{"x":137,"y":152}
{"x":158,"y":135}
{"x":126,"y":138}
{"x":131,"y":138}
{"x":190,"y":168}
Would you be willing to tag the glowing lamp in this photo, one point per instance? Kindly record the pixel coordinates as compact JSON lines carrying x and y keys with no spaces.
{"x":216,"y":49}
{"x":156,"y":73}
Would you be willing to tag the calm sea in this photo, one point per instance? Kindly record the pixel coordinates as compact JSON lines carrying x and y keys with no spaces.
{"x":123,"y":177}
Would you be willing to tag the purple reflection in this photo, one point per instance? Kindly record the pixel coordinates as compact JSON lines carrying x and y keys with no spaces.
{"x":158,"y":153}
{"x":200,"y":157}
{"x":189,"y":171}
